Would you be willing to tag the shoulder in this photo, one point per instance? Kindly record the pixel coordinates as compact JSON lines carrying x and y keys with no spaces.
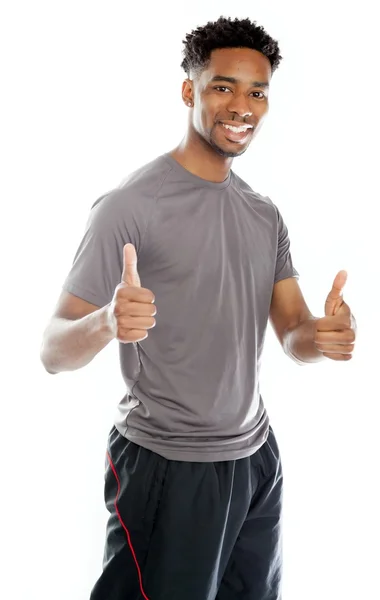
{"x":148,"y":178}
{"x":135,"y":194}
{"x":253,"y":196}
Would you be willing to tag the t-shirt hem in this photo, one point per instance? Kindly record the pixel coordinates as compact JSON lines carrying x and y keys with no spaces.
{"x":74,"y":289}
{"x":191,"y":455}
{"x":287,"y":275}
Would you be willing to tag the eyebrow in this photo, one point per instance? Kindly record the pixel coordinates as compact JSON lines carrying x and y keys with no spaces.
{"x":263,"y":84}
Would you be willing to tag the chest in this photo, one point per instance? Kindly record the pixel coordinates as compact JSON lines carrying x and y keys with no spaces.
{"x":211,"y":240}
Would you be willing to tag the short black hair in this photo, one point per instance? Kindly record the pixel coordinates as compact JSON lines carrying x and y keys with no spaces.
{"x":227,"y":33}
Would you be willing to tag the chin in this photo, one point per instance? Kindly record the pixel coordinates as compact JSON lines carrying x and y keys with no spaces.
{"x":228,"y":153}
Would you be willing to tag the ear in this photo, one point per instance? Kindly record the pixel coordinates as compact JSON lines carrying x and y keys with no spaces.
{"x":187,"y":91}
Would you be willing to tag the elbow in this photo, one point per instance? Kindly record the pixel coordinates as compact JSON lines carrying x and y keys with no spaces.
{"x":45,"y":362}
{"x":51,"y":372}
{"x":47,"y":367}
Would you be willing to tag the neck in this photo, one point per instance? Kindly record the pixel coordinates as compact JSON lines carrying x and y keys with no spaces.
{"x":198,"y":157}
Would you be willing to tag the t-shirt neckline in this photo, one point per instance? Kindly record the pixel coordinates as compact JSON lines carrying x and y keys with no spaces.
{"x":194,"y":178}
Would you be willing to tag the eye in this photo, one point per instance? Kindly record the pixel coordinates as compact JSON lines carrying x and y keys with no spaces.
{"x":221,"y":87}
{"x":262,"y":95}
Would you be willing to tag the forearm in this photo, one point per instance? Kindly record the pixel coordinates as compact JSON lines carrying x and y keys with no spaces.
{"x":69,"y":345}
{"x":299,"y":343}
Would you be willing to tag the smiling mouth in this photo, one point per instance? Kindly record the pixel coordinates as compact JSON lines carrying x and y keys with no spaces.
{"x":236,"y":133}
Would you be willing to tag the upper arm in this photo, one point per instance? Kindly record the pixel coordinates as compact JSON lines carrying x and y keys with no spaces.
{"x":114,"y":220}
{"x":71,"y":307}
{"x":284,"y":262}
{"x":288,"y":307}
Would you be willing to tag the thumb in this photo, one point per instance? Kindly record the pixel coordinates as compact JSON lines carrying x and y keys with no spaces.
{"x":130,"y":275}
{"x":335,"y":298}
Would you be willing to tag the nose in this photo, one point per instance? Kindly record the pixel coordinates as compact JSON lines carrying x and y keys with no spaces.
{"x":239,"y":105}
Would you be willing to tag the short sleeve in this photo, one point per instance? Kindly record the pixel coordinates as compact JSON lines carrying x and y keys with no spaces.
{"x":98,"y":262}
{"x":284,"y":263}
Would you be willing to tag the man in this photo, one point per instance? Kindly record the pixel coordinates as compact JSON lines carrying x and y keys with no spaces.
{"x":184,"y":265}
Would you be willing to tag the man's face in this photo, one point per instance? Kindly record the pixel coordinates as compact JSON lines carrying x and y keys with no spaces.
{"x":231,"y":92}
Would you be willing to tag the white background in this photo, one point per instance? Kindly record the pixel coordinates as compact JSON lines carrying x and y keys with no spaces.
{"x":91,"y":91}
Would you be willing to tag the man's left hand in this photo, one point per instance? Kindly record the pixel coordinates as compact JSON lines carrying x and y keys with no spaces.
{"x":335,"y":333}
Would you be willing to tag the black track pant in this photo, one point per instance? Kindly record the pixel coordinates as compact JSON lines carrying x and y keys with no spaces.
{"x":191,"y":530}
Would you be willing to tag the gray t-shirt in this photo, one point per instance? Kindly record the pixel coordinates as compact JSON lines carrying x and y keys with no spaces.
{"x":210,"y":253}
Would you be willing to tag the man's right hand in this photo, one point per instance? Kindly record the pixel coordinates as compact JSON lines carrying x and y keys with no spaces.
{"x":131,"y":310}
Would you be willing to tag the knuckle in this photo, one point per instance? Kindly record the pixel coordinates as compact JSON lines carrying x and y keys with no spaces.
{"x":121,"y":290}
{"x":128,"y":323}
{"x":117,"y":310}
{"x":139,"y":335}
{"x":120,"y":336}
{"x":120,"y":305}
{"x":123,"y":322}
{"x":126,"y":336}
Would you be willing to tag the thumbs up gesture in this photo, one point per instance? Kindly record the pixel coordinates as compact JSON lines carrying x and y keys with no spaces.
{"x":131,"y":310}
{"x":336,"y":332}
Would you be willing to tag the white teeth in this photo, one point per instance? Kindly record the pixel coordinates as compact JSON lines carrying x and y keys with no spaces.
{"x":236,"y":129}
